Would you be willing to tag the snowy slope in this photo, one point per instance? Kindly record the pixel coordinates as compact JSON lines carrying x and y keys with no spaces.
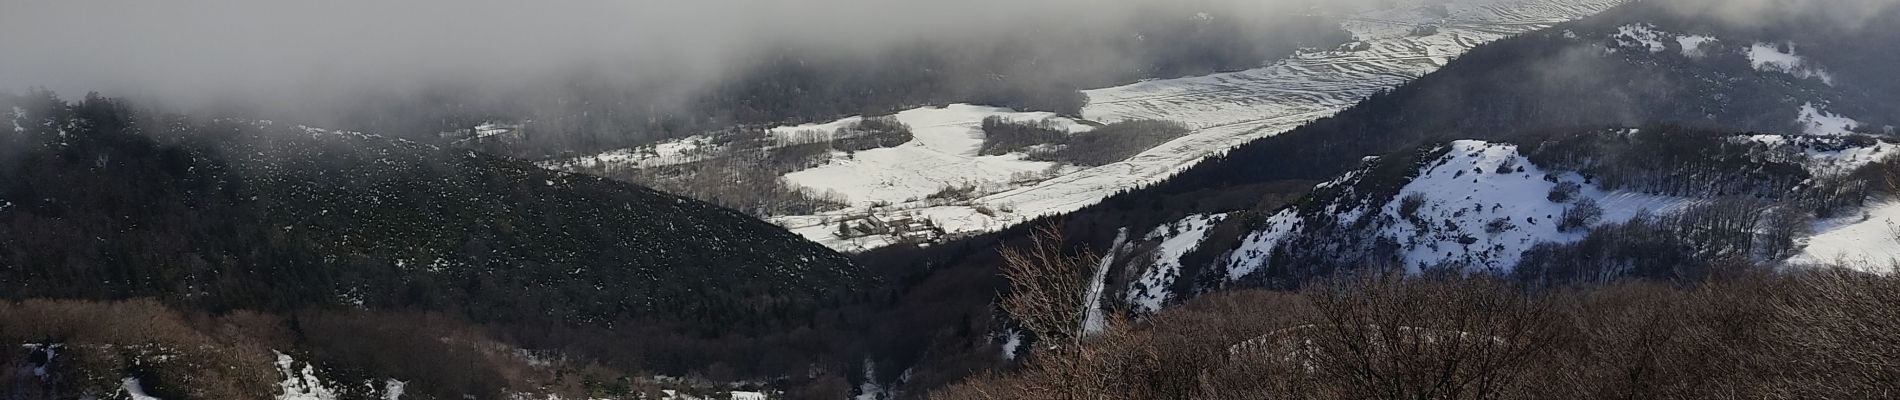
{"x":1870,"y":240}
{"x":1150,"y":290}
{"x":1481,"y":204}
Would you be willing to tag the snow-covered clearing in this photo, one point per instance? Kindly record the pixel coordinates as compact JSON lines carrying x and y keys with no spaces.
{"x":1817,"y":121}
{"x":943,"y":154}
{"x":1771,"y":58}
{"x":1869,"y":241}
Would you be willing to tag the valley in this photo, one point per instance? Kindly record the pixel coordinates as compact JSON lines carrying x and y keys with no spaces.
{"x":1390,"y":46}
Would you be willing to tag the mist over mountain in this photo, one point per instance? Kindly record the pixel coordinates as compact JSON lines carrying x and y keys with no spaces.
{"x":988,"y":199}
{"x":413,"y":69}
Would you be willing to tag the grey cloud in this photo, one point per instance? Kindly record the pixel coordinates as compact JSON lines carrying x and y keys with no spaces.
{"x":290,"y":51}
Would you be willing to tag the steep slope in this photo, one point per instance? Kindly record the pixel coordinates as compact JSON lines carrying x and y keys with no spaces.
{"x":1666,"y":203}
{"x":100,"y":202}
{"x":1501,"y":207}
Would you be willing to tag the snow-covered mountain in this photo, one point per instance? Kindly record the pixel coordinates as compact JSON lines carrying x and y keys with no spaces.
{"x":1587,"y":206}
{"x":1391,"y":46}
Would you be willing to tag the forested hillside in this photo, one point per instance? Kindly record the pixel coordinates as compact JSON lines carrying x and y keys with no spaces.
{"x":102,"y":200}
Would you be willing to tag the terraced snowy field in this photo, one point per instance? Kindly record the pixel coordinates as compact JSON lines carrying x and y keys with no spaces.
{"x":1393,"y":46}
{"x":1230,"y":109}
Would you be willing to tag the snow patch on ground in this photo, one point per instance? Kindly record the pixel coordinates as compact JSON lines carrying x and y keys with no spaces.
{"x":1770,"y":58}
{"x":1695,"y":46}
{"x":1012,"y":341}
{"x":393,"y":389}
{"x":1092,"y":320}
{"x":1816,"y":120}
{"x":300,"y":384}
{"x":1150,"y":290}
{"x":18,"y":114}
{"x":870,"y":390}
{"x":1869,"y":242}
{"x":134,"y":390}
{"x":1824,"y":156}
{"x":1642,"y":36}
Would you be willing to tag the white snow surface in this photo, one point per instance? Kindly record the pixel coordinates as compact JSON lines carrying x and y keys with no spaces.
{"x":1462,"y":203}
{"x":1815,"y":120}
{"x":1092,"y":320}
{"x":1695,"y":46}
{"x":134,"y":390}
{"x":392,"y":389}
{"x":300,"y":384}
{"x":1770,"y":58}
{"x":1869,"y":241}
{"x":943,"y":153}
{"x":1012,"y":341}
{"x":1150,"y":290}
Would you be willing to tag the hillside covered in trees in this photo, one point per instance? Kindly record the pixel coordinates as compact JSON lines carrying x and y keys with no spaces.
{"x":101,"y":200}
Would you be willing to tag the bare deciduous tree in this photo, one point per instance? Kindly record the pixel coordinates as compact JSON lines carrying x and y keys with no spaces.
{"x":1047,"y":285}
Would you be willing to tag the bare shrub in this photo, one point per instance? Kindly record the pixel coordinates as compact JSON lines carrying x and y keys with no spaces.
{"x":1384,"y":336}
{"x":1844,"y":329}
{"x":1647,"y":340}
{"x":1047,"y":288}
{"x":106,"y":342}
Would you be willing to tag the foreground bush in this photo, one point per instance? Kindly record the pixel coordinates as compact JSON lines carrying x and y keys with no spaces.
{"x":1816,"y":334}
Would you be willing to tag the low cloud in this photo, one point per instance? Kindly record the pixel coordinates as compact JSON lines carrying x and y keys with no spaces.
{"x":291,"y":53}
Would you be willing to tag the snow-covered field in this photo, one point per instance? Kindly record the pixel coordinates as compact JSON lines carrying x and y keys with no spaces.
{"x":1224,"y":110}
{"x":1817,"y":121}
{"x":944,"y":153}
{"x":1769,"y":57}
{"x":1869,"y":241}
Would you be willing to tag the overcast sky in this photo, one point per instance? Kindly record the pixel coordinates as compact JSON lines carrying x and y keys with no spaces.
{"x":278,"y":51}
{"x":198,"y":49}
